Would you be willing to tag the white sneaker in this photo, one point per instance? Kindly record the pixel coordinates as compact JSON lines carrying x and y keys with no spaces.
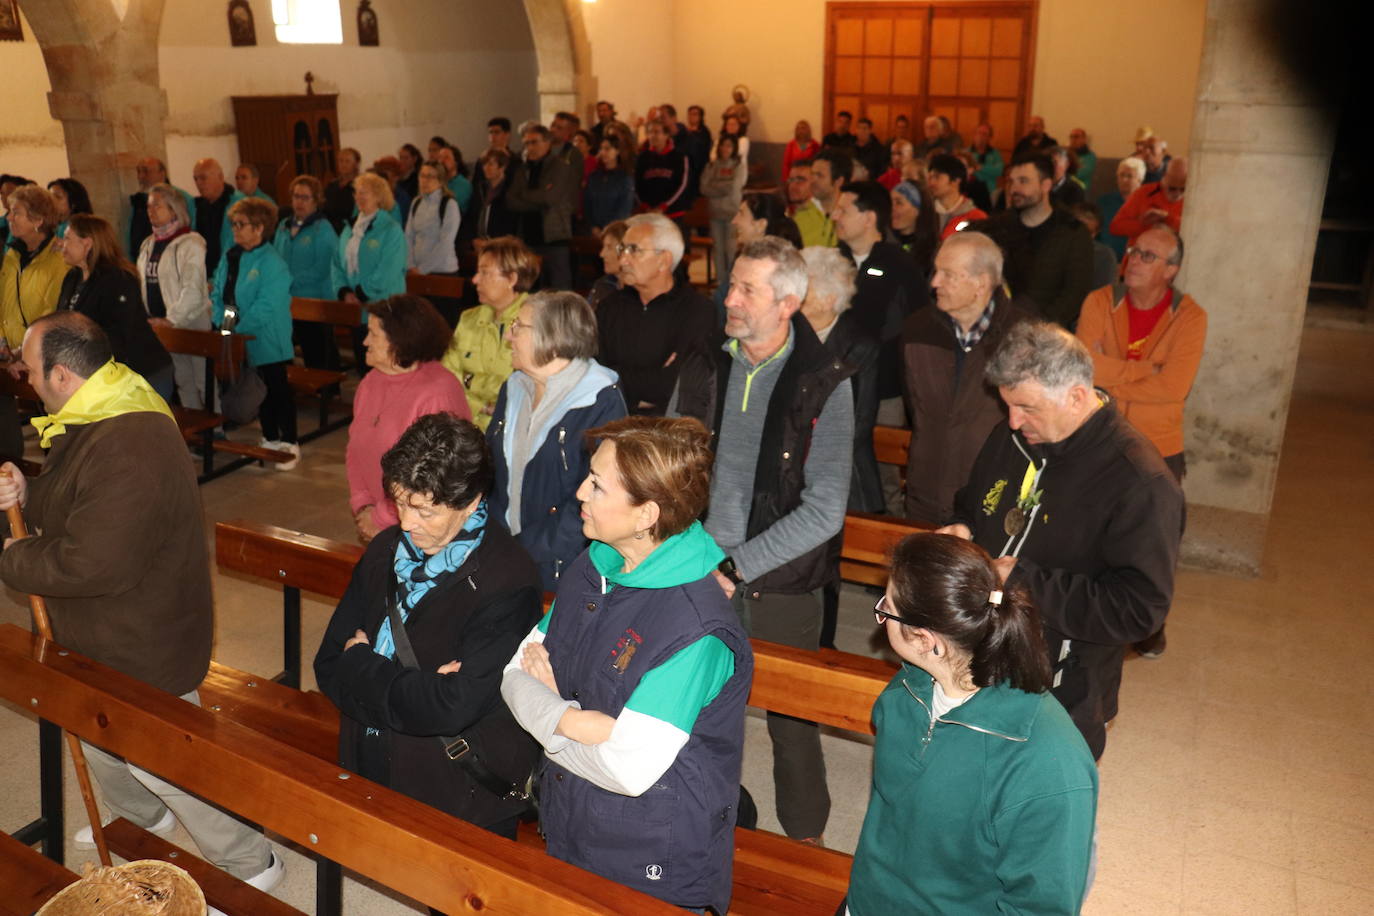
{"x":270,"y":876}
{"x":264,"y":880}
{"x":85,"y":837}
{"x":291,"y":447}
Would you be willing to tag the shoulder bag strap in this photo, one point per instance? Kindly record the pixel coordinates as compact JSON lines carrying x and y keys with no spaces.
{"x":456,"y":747}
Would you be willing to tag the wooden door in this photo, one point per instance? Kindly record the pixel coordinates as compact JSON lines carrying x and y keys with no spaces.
{"x":970,"y":62}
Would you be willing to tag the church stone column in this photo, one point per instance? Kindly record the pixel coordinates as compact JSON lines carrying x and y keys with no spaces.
{"x":1261,"y":147}
{"x":102,"y":61}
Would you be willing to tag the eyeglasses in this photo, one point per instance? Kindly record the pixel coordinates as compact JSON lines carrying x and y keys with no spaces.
{"x":239,"y":224}
{"x":518,"y":327}
{"x":633,"y":251}
{"x":883,"y":616}
{"x":1146,"y":257}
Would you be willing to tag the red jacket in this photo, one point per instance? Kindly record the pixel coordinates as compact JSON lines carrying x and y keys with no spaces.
{"x":1129,"y":219}
{"x":794,"y":153}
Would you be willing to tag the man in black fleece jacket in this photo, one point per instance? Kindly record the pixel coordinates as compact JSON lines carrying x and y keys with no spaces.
{"x":647,"y":326}
{"x":1079,"y":508}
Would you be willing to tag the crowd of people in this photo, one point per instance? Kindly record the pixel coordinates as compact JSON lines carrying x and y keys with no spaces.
{"x":677,"y":464}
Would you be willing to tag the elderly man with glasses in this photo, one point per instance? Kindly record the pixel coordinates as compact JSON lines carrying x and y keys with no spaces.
{"x":1146,"y":343}
{"x":647,"y":325}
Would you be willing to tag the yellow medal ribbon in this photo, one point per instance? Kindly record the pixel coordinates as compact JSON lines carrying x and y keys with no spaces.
{"x":113,"y":390}
{"x":1027,"y":482}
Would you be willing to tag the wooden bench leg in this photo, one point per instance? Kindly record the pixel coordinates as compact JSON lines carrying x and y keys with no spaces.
{"x":291,"y":637}
{"x":328,"y":888}
{"x":50,"y":824}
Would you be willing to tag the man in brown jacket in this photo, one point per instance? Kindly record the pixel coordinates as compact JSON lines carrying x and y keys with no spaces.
{"x":944,"y":352}
{"x":119,"y":553}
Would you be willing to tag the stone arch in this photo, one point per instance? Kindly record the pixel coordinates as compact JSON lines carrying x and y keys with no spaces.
{"x":102,"y":62}
{"x":560,"y":43}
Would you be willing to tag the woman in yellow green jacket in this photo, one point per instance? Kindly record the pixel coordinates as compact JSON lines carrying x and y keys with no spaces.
{"x":33,"y":269}
{"x":479,"y":354}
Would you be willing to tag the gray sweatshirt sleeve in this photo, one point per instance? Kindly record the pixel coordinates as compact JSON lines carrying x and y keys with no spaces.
{"x":537,"y":708}
{"x":824,"y":498}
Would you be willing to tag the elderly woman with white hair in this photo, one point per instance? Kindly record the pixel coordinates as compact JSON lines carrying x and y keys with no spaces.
{"x":171,"y":267}
{"x":556,"y":393}
{"x":829,"y":294}
{"x":649,"y":324}
{"x":944,"y":352}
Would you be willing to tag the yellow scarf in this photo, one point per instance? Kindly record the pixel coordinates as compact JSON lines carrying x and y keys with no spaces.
{"x":113,"y":390}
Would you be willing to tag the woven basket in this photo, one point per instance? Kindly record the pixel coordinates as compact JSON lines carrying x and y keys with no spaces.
{"x":143,"y":888}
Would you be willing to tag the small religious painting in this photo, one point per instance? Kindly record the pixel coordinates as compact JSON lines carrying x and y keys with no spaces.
{"x":242,"y":33}
{"x":367,"y":25}
{"x":10,"y":27}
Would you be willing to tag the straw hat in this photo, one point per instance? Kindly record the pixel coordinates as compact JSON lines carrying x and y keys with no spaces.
{"x":1144,"y":133}
{"x":143,"y":888}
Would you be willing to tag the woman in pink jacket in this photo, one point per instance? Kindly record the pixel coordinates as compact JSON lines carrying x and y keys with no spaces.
{"x":406,"y":336}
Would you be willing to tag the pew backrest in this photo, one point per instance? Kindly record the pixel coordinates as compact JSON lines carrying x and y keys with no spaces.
{"x":402,"y":843}
{"x":327,"y":311}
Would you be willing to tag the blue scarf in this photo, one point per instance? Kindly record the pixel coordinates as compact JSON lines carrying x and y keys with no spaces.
{"x":417,"y":574}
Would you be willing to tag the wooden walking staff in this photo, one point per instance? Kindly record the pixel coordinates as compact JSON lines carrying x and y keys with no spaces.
{"x":18,"y":530}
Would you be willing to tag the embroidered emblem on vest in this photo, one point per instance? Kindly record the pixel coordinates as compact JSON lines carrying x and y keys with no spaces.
{"x":993,"y":497}
{"x":625,"y":648}
{"x":653,"y":872}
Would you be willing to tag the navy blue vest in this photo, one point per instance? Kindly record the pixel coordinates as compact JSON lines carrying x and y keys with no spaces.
{"x":676,"y":841}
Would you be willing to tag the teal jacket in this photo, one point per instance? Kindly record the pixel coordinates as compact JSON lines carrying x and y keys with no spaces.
{"x":263,"y":297}
{"x":988,"y":809}
{"x":381,"y":260}
{"x":461,"y":189}
{"x":310,"y":255}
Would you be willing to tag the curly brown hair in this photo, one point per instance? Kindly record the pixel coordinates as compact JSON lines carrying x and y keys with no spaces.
{"x":665,"y":460}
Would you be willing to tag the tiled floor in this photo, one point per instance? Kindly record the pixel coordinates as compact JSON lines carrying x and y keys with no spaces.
{"x":1237,"y":777}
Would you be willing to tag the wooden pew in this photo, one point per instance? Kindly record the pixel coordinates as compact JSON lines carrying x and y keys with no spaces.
{"x":29,"y":878}
{"x":224,"y":355}
{"x":404,"y":844}
{"x":890,"y":445}
{"x":322,"y":384}
{"x":448,"y":287}
{"x":772,"y":874}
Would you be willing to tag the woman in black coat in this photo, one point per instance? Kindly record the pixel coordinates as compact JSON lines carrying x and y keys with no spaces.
{"x":104,"y":287}
{"x":467,"y":594}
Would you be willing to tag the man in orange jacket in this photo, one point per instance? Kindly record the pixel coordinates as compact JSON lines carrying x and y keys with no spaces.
{"x":1157,"y":203}
{"x":1146,"y":347}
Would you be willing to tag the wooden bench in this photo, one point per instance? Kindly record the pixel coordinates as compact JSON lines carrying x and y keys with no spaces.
{"x":337,"y":816}
{"x":890,"y":445}
{"x":29,"y":878}
{"x":448,"y":287}
{"x":322,"y":384}
{"x":772,"y":873}
{"x":224,"y":355}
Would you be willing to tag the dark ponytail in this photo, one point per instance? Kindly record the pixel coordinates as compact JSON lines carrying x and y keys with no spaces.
{"x":948,"y":585}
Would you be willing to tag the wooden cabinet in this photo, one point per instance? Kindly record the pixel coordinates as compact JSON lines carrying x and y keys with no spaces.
{"x":286,"y":136}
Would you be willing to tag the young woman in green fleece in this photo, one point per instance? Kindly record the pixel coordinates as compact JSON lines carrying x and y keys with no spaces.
{"x":984,"y":793}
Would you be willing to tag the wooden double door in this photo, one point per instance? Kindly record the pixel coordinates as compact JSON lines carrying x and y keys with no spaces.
{"x":970,"y":62}
{"x":286,"y":136}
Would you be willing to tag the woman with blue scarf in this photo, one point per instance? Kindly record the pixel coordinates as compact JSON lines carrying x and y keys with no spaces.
{"x":463,"y":593}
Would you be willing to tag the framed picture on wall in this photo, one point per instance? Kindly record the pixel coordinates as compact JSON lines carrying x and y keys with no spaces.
{"x":242,"y":33}
{"x":367,"y":25}
{"x":10,"y":27}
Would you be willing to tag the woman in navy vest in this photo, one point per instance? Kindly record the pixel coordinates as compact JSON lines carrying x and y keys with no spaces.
{"x":635,"y":683}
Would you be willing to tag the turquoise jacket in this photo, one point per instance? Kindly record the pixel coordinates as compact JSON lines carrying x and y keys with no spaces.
{"x":263,"y":297}
{"x":381,"y":260}
{"x":988,"y":809}
{"x":462,"y":191}
{"x":989,"y":168}
{"x":264,"y":195}
{"x":310,"y":255}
